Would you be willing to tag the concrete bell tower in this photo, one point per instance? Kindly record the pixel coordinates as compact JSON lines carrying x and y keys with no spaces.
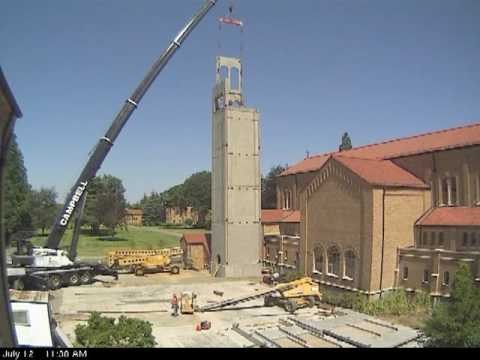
{"x":236,"y":202}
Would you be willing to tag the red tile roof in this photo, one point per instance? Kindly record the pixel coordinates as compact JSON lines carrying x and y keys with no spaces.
{"x":134,"y":211}
{"x":451,"y":216}
{"x":434,"y":141}
{"x":381,"y":172}
{"x":198,"y":239}
{"x":280,"y":216}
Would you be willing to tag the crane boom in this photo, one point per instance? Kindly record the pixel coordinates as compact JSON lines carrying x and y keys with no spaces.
{"x":106,"y":142}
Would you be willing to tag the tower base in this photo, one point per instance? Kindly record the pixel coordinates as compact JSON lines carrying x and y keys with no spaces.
{"x":237,"y":270}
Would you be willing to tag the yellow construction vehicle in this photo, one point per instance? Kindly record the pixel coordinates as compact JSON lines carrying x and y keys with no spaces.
{"x":291,"y":296}
{"x":187,"y":302}
{"x":296,"y":294}
{"x":140,"y":262}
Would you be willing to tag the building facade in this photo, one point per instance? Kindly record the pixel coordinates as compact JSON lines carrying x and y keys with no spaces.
{"x":134,"y":217}
{"x":365,"y":212}
{"x":281,"y":239}
{"x":445,"y":237}
{"x":236,"y":228}
{"x":179,"y":216}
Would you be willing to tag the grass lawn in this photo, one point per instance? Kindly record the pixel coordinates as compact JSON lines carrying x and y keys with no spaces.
{"x":135,"y":237}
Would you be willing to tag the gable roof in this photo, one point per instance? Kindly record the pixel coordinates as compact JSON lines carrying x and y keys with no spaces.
{"x":381,"y":172}
{"x":462,"y":136}
{"x":270,"y":216}
{"x":198,"y":239}
{"x":451,"y":216}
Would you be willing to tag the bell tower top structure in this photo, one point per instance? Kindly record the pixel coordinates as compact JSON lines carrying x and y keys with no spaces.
{"x":228,"y":89}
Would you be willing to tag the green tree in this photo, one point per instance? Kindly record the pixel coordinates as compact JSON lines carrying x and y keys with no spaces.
{"x":105,"y":203}
{"x":175,"y":197}
{"x":197,"y":191}
{"x":208,"y":220}
{"x":91,"y":214}
{"x":153,"y":207}
{"x":44,"y":207}
{"x":269,"y":187}
{"x":346,"y":142}
{"x":17,"y":203}
{"x":456,"y":323}
{"x":102,"y":331}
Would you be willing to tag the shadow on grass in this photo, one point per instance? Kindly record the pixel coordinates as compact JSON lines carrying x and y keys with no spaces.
{"x":110,"y":238}
{"x":100,"y":232}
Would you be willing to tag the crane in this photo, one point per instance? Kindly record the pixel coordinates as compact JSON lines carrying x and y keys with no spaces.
{"x":106,"y":142}
{"x":54,"y":266}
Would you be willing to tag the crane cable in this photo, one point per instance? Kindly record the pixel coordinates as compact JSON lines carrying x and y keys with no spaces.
{"x":230,"y":20}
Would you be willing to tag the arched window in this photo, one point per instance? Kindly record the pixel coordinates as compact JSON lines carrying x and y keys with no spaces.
{"x":426,"y":276}
{"x":477,"y":190}
{"x":350,"y":264}
{"x":287,"y":199}
{"x":234,"y":79}
{"x":446,"y":278}
{"x":223,"y":71}
{"x":424,"y":238}
{"x":405,"y":273}
{"x":465,"y":239}
{"x":449,"y":190}
{"x":318,"y":260}
{"x":441,"y":239}
{"x":334,"y":261}
{"x":444,"y":191}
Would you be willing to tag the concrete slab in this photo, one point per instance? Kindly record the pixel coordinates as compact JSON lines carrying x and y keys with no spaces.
{"x":148,"y":298}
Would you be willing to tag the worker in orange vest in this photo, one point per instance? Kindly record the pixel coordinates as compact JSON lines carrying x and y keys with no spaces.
{"x":175,"y":305}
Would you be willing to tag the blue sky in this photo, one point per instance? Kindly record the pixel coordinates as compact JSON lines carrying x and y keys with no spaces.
{"x":314,"y":68}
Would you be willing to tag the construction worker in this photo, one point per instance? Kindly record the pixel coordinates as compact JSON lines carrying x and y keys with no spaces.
{"x":175,"y":305}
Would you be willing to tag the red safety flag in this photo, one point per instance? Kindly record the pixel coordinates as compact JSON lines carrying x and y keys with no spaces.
{"x":230,"y":21}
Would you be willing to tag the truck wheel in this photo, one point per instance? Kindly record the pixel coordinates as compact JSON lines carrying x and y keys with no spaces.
{"x":268,"y":301}
{"x":139,"y":271}
{"x":175,"y":270}
{"x":54,"y":282}
{"x":290,"y":306}
{"x":311,"y":301}
{"x":73,"y":279}
{"x":86,"y":277}
{"x":18,"y":284}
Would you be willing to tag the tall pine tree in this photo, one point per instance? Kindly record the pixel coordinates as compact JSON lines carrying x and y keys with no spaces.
{"x":17,"y":205}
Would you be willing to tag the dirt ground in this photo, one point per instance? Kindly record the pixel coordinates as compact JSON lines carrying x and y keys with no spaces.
{"x":148,"y":298}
